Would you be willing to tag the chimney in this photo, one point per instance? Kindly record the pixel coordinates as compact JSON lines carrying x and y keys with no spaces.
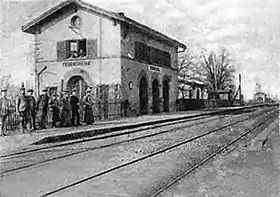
{"x":121,"y":14}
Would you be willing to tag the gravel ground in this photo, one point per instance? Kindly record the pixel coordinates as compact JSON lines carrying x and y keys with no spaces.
{"x":65,"y":171}
{"x":40,"y":156}
{"x":142,"y":178}
{"x":239,"y":173}
{"x":16,"y":140}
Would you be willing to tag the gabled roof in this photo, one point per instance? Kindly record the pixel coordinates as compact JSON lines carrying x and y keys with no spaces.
{"x":29,"y":27}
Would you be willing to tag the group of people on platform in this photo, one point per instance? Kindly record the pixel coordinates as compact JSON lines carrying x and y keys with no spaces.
{"x":61,"y":112}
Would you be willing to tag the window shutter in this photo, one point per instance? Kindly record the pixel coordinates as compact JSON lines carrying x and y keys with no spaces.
{"x":137,"y":50}
{"x":82,"y":46}
{"x":168,"y":59}
{"x":67,"y":49}
{"x":152,"y":55}
{"x":149,"y":54}
{"x":92,"y":48}
{"x":61,"y":50}
{"x":145,"y":53}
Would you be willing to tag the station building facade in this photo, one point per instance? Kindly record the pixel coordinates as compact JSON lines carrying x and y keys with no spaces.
{"x":79,"y":45}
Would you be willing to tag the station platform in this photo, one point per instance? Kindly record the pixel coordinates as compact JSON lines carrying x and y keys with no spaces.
{"x":19,"y":141}
{"x":16,"y":140}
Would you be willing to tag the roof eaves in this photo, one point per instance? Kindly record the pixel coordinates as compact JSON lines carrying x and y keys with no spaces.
{"x":26,"y":27}
{"x":100,"y":10}
{"x":150,"y":30}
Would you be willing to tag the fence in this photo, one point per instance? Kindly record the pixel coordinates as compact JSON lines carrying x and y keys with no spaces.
{"x":194,"y":104}
{"x":102,"y":110}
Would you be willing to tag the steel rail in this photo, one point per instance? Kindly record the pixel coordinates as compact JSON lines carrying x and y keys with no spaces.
{"x":136,"y":160}
{"x":190,"y":170}
{"x":153,"y":126}
{"x":5,"y":172}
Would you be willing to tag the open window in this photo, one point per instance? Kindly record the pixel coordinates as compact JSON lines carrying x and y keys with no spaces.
{"x":75,"y":48}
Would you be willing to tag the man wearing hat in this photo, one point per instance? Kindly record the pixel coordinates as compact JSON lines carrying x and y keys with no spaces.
{"x":88,"y":105}
{"x":23,"y":109}
{"x":4,"y":110}
{"x":42,"y":107}
{"x":65,"y":112}
{"x":32,"y":108}
{"x":74,"y":100}
{"x":54,"y":110}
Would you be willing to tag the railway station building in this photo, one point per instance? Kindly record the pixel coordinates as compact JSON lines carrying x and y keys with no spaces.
{"x":81,"y":45}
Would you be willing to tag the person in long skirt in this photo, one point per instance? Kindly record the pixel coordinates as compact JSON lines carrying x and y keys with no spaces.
{"x":88,"y":104}
{"x":54,"y":110}
{"x":65,"y":111}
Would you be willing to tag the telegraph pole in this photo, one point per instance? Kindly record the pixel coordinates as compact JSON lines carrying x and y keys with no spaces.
{"x":38,"y":75}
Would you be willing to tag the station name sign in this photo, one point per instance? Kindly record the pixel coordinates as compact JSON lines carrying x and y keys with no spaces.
{"x":155,"y":68}
{"x":76,"y":63}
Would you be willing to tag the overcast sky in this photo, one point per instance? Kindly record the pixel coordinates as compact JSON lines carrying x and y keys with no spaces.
{"x":250,"y":29}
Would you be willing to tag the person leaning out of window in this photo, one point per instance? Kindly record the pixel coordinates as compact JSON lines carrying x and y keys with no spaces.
{"x":78,"y":54}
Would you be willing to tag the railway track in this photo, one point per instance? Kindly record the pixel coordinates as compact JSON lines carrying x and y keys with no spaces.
{"x":5,"y":172}
{"x":164,"y":150}
{"x":113,"y":134}
{"x":106,"y":136}
{"x":38,"y":163}
{"x":224,"y":147}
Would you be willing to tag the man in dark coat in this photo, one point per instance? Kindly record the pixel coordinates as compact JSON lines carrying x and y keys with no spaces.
{"x":32,"y":108}
{"x":42,"y":106}
{"x":23,"y":109}
{"x":65,"y":111}
{"x":74,"y":100}
{"x":4,"y":110}
{"x":54,"y":110}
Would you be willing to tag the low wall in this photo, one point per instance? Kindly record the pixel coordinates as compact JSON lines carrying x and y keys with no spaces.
{"x":194,"y":104}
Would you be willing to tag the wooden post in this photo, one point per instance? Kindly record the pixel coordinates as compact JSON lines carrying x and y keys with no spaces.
{"x":240,"y":93}
{"x":61,"y":89}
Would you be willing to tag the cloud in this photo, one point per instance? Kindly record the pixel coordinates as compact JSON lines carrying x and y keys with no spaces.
{"x":250,"y":29}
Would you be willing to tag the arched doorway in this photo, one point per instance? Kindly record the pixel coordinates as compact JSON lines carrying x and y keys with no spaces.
{"x":143,"y":96}
{"x":165,"y":96}
{"x":79,"y":83}
{"x":155,"y":88}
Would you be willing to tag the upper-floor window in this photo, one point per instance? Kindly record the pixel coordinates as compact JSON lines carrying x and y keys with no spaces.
{"x":151,"y":55}
{"x":77,"y":49}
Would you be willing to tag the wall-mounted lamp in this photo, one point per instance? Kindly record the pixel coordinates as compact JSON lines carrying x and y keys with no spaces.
{"x":130,"y":85}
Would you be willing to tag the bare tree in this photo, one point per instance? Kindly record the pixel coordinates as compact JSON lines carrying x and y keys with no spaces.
{"x":219,"y":70}
{"x":189,"y":70}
